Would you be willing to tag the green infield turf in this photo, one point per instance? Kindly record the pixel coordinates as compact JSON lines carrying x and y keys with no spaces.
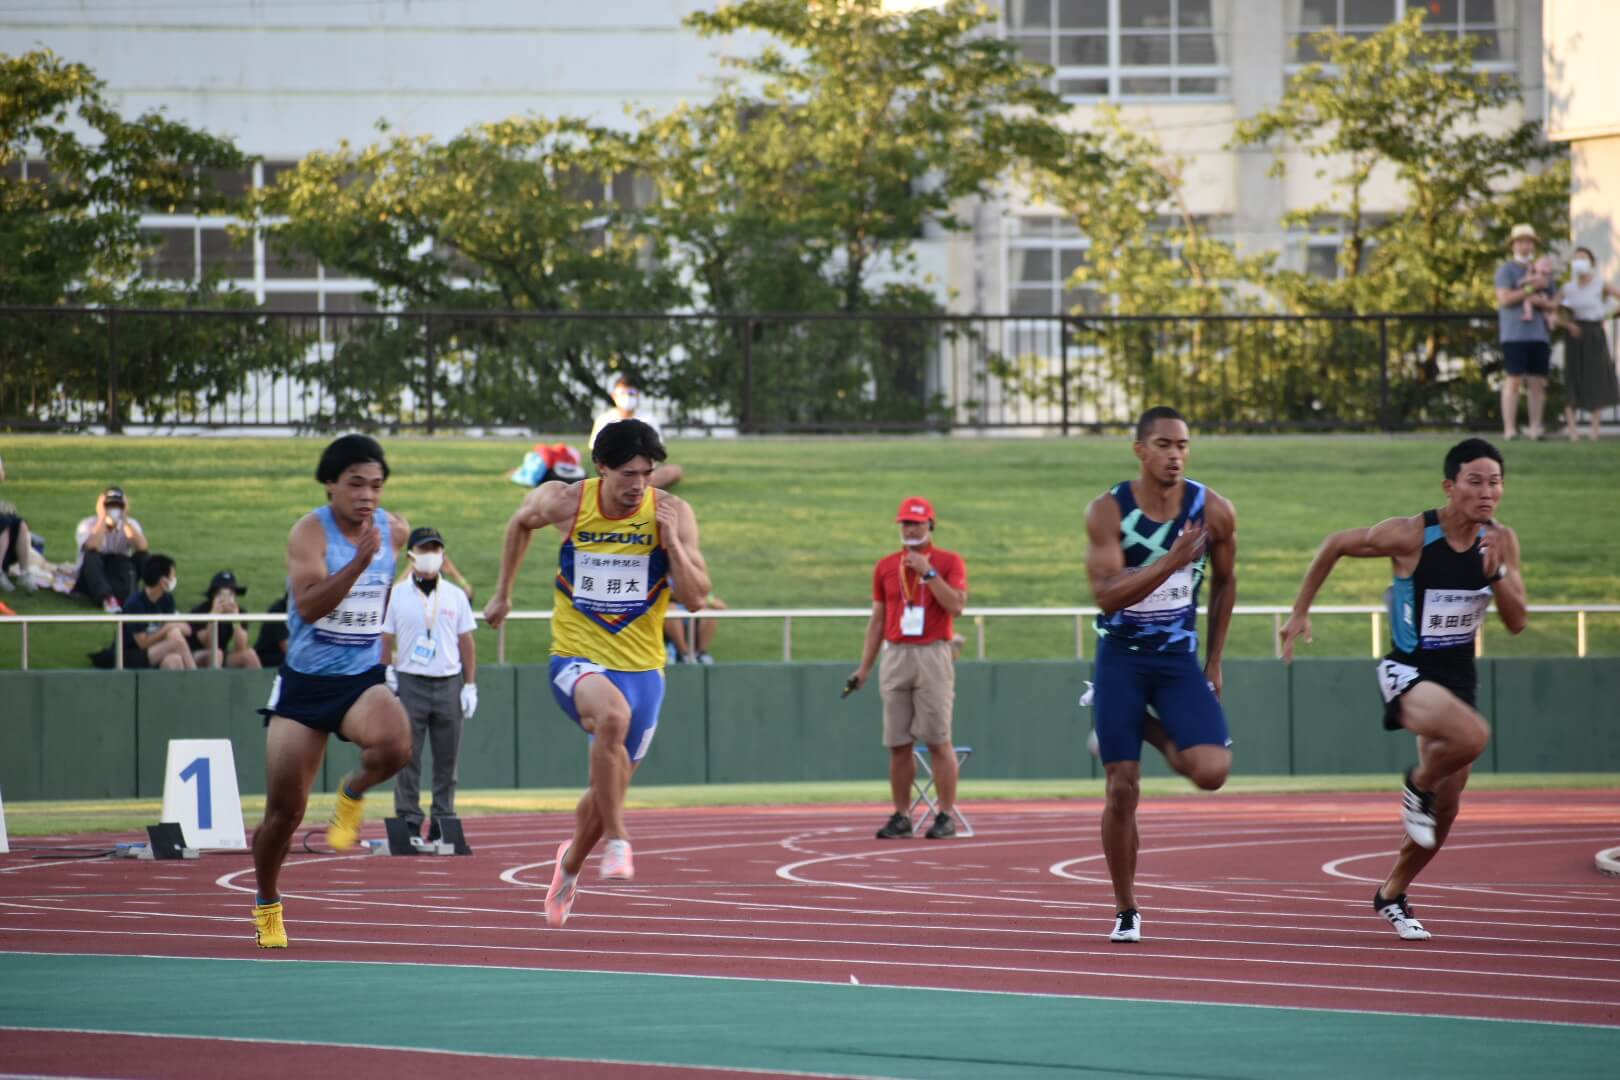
{"x":64,"y":818}
{"x":799,"y":522}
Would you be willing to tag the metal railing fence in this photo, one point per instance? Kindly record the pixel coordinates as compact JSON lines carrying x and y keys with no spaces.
{"x":130,"y":369}
{"x":977,"y":616}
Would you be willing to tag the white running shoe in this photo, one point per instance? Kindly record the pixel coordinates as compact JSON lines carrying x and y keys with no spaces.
{"x":1127,"y":927}
{"x":1417,"y":814}
{"x":617,"y":863}
{"x":564,"y":887}
{"x":1091,"y":744}
{"x":1399,"y":914}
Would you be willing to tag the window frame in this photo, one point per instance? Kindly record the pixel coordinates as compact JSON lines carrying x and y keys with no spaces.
{"x":1116,"y":72}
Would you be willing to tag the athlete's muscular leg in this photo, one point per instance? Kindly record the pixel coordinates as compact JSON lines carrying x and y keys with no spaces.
{"x":1119,"y":835}
{"x":604,"y":712}
{"x":587,"y":830}
{"x":1207,"y":765}
{"x":1451,"y":735}
{"x":292,"y":757}
{"x":377,"y":724}
{"x":1412,"y":858}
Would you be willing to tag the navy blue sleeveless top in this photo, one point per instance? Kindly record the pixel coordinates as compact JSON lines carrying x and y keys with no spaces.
{"x":1435,"y":613}
{"x":1166,"y":620}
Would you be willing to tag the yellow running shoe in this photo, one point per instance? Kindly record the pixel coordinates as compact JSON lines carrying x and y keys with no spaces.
{"x":268,"y":929}
{"x":343,"y":832}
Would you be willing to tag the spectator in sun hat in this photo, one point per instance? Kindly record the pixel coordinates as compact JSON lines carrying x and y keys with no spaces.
{"x":916,"y":592}
{"x":221,"y":599}
{"x":1526,"y":346}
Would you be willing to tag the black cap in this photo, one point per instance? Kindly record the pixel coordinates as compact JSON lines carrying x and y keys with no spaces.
{"x":225,"y":580}
{"x":427,"y":534}
{"x":113,"y":496}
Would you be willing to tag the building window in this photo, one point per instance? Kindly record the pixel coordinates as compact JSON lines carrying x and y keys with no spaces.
{"x":1493,"y":23}
{"x":1126,"y":50}
{"x":1042,"y":252}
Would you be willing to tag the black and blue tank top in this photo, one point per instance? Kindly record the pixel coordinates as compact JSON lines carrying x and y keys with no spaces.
{"x":1166,"y":620}
{"x":1435,"y":613}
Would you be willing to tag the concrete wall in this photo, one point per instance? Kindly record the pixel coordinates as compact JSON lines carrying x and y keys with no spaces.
{"x":71,"y":735}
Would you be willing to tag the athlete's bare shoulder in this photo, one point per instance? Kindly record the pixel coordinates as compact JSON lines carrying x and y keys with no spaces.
{"x":1219,"y":513}
{"x":307,"y":530}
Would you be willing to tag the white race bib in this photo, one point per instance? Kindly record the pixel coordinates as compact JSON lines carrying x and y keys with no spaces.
{"x":1169,"y":603}
{"x":911,"y":621}
{"x":357,"y":621}
{"x":1451,"y":617}
{"x":610,"y":584}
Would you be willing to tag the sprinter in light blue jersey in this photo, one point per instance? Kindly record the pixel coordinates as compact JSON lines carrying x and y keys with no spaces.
{"x":340,"y":566}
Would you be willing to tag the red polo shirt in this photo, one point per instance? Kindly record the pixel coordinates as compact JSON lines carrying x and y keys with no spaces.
{"x":894,"y":587}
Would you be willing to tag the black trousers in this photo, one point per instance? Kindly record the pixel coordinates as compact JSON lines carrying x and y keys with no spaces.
{"x":117,"y":576}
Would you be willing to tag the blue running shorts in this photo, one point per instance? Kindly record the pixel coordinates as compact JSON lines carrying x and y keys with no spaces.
{"x":1173,"y":683}
{"x":318,"y":701}
{"x":644,"y":690}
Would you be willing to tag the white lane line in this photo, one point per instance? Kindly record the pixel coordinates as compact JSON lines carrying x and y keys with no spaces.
{"x":1332,"y":867}
{"x":594,"y":952}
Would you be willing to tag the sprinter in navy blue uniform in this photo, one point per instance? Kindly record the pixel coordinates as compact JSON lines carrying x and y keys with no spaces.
{"x":1151,"y":542}
{"x":1448,"y":565}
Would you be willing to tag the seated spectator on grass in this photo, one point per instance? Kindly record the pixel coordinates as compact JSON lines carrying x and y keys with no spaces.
{"x":271,"y":645}
{"x":689,"y":636}
{"x":16,"y":550}
{"x":627,"y":406}
{"x":158,"y":644}
{"x":112,"y":549}
{"x":221,"y":600}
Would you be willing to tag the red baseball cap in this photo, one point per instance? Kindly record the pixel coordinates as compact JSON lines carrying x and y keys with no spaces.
{"x":915,"y":508}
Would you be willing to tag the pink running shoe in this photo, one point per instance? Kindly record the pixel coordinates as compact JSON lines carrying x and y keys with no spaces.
{"x":564,"y":887}
{"x":617,"y":863}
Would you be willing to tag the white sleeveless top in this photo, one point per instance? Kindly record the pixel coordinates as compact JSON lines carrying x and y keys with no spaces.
{"x":1585,"y":302}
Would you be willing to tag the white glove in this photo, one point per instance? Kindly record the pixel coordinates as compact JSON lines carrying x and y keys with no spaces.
{"x":469,"y":701}
{"x":391,"y":677}
{"x":1086,"y":698}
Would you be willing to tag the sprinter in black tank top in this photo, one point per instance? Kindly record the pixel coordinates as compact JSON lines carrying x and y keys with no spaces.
{"x":1448,"y":565}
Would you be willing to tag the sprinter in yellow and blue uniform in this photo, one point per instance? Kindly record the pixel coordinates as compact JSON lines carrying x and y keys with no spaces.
{"x":626,"y":550}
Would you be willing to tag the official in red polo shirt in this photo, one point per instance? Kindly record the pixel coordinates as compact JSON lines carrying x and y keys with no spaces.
{"x":916,"y":592}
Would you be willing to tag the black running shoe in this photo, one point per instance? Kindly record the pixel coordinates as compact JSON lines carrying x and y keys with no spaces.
{"x":942,"y":827}
{"x":899,"y":825}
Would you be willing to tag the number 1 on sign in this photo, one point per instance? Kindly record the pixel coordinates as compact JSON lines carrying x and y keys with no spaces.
{"x":205,"y":801}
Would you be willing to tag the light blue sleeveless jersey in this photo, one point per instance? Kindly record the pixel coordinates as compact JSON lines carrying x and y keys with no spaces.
{"x":348,"y":639}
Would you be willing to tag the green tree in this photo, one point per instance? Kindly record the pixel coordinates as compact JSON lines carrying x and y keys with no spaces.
{"x":1412,"y":105}
{"x":70,"y":231}
{"x":513,"y":216}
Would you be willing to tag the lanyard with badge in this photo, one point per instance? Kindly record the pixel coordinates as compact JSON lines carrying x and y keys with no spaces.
{"x":911,"y":616}
{"x":426,"y":647}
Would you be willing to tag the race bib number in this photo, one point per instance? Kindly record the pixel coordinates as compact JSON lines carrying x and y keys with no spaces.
{"x":610,"y":584}
{"x":911,"y":621}
{"x":1451,"y":617}
{"x":570,"y":675}
{"x":1395,"y":679}
{"x":357,"y":621}
{"x":1169,"y":603}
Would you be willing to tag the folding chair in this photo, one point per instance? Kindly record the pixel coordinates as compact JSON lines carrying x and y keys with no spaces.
{"x":922,"y":791}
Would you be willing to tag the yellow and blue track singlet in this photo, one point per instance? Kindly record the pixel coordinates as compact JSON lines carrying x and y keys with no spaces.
{"x":612,"y":586}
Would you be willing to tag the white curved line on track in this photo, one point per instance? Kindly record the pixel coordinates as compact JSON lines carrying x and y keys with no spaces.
{"x":1332,"y":867}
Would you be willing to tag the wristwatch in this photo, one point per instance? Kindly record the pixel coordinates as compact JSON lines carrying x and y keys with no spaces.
{"x":931,"y":575}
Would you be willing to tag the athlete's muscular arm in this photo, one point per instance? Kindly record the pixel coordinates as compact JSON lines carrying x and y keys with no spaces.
{"x":313,"y":591}
{"x":1113,"y":586}
{"x":678,"y":532}
{"x":1501,"y":551}
{"x":1400,"y":539}
{"x":552,"y":503}
{"x":1221,"y":519}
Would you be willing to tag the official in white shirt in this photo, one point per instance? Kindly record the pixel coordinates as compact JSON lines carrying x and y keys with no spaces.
{"x":428,"y":640}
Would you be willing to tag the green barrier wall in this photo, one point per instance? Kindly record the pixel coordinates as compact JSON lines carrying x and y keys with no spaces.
{"x":95,"y":734}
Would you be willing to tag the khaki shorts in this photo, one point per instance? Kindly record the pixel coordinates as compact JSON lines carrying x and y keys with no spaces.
{"x":918,"y":685}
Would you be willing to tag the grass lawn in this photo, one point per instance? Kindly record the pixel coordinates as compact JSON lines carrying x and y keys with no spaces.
{"x":799,"y":522}
{"x":47,"y":818}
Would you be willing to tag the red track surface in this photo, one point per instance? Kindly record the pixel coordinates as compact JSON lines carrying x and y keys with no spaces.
{"x":1258,"y":900}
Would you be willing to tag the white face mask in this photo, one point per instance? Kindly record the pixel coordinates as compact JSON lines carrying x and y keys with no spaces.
{"x":1580,"y":266}
{"x":1524,"y":259}
{"x":909,"y":542}
{"x":427,"y":562}
{"x":115,"y":513}
{"x":173,"y":584}
{"x":627,"y":399}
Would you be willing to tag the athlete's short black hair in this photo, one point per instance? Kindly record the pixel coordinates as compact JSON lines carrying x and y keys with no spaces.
{"x":349,"y":450}
{"x":622,"y":440}
{"x":156,"y":568}
{"x":1471,"y":450}
{"x":1158,"y":412}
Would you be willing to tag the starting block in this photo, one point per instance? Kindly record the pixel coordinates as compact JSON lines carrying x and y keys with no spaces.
{"x":403,"y":841}
{"x":923,"y":794}
{"x":165,"y":840}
